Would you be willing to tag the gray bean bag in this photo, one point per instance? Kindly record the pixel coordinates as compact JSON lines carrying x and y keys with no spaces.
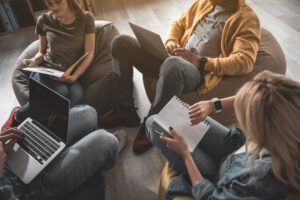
{"x":97,"y":80}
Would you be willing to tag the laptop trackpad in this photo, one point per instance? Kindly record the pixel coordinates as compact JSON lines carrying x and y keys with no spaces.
{"x":18,"y":160}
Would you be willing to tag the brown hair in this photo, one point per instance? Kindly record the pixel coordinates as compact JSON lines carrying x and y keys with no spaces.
{"x":268,"y":110}
{"x":73,"y":5}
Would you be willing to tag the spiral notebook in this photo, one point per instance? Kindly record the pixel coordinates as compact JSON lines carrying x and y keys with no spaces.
{"x":175,"y":114}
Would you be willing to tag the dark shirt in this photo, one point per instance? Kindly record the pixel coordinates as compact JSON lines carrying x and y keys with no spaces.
{"x":65,"y":43}
{"x":240,"y":180}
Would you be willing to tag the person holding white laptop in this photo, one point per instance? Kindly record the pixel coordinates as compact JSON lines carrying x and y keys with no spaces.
{"x":212,"y":39}
{"x":88,"y":151}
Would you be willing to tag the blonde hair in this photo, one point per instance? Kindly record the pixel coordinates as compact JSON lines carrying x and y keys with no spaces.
{"x":268,"y":110}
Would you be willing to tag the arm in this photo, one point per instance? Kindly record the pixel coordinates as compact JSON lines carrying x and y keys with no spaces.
{"x":193,"y":171}
{"x":202,"y":188}
{"x":89,"y":46}
{"x":179,"y":145}
{"x":200,"y":110}
{"x":243,"y":55}
{"x":178,"y":27}
{"x":39,"y":57}
{"x":8,"y":138}
{"x":176,"y":31}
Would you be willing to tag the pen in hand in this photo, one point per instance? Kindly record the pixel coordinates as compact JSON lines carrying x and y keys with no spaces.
{"x":158,"y":132}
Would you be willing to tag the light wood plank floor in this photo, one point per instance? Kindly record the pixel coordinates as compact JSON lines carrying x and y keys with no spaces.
{"x":137,"y":177}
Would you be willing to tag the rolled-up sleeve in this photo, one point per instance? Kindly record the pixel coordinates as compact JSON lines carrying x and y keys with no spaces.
{"x":203,"y":189}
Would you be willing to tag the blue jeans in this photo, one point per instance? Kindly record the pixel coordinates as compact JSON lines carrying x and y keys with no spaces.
{"x":74,"y":92}
{"x":175,"y":75}
{"x":89,"y":150}
{"x":217,"y":143}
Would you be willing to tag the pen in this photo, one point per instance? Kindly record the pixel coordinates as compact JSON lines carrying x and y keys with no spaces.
{"x":158,"y":132}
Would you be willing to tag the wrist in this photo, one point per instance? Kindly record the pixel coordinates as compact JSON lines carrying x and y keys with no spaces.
{"x":35,"y":61}
{"x":39,"y":58}
{"x":186,"y":155}
{"x":75,"y":77}
{"x":211,"y":106}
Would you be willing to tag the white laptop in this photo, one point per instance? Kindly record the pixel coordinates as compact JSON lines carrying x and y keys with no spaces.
{"x":150,"y":42}
{"x":45,"y":132}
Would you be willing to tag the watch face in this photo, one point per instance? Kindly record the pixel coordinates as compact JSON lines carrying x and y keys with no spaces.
{"x":217,"y":105}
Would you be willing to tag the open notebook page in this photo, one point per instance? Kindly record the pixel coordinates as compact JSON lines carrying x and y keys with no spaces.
{"x":175,"y":114}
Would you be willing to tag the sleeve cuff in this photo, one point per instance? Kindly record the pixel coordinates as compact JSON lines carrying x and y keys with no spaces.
{"x":202,"y":189}
{"x":209,"y":66}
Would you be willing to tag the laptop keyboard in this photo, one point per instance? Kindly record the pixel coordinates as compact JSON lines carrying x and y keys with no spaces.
{"x":36,"y":143}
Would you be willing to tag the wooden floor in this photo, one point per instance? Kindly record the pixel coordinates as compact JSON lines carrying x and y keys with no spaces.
{"x":137,"y":177}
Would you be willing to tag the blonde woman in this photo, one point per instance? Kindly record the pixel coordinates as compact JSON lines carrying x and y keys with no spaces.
{"x":266,"y":167}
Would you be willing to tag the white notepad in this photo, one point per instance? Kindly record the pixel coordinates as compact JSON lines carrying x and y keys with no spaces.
{"x":175,"y":114}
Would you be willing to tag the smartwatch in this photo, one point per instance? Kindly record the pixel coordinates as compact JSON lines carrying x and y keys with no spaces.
{"x":217,"y":104}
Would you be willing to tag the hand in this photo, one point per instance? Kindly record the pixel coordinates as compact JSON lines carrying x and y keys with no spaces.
{"x":9,"y":137}
{"x":188,"y":56}
{"x":67,"y":79}
{"x":2,"y":158}
{"x":176,"y":144}
{"x":29,"y":62}
{"x":171,"y":47}
{"x":199,"y":111}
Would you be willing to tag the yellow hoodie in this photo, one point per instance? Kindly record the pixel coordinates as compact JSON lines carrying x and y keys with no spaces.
{"x":239,"y":42}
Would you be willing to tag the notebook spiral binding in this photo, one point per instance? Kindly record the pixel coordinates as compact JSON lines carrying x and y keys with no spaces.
{"x":186,"y":105}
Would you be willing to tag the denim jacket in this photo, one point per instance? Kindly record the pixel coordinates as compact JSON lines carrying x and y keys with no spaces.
{"x":239,"y":179}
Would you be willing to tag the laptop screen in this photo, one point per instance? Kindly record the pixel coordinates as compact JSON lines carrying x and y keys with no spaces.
{"x":49,"y":108}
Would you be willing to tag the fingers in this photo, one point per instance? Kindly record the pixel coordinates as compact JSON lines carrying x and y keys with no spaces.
{"x":194,"y":110}
{"x":9,"y":136}
{"x":180,"y":51}
{"x":174,"y":132}
{"x":10,"y":145}
{"x":166,"y":139}
{"x":195,"y":105}
{"x":170,"y":48}
{"x":28,"y":63}
{"x":196,"y":121}
{"x":9,"y":130}
{"x":8,"y":127}
{"x":196,"y":114}
{"x":25,"y":63}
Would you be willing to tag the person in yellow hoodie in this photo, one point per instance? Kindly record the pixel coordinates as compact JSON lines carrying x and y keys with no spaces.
{"x":213,"y":38}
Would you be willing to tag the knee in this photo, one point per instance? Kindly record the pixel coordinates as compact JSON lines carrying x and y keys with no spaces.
{"x":63,"y":90}
{"x":119,"y":42}
{"x":107,"y":146}
{"x":88,"y":114}
{"x":172,"y":67}
{"x":75,"y":94}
